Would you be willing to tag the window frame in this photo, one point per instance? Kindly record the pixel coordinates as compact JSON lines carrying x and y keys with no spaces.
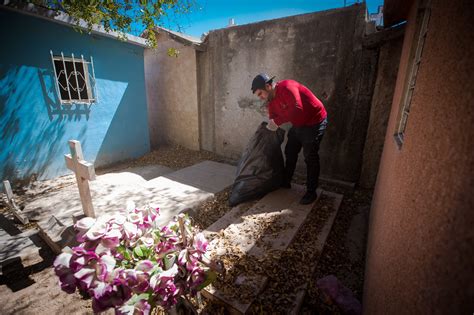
{"x":422,"y":21}
{"x":88,"y":76}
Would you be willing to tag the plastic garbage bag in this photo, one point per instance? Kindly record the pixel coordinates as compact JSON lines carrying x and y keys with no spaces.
{"x":261,"y":168}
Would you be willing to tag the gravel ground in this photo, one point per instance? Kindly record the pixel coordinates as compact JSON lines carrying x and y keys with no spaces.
{"x":337,"y":257}
{"x":172,"y":156}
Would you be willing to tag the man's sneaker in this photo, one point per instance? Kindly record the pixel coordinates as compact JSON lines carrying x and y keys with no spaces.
{"x":286,"y":185}
{"x":308,"y":198}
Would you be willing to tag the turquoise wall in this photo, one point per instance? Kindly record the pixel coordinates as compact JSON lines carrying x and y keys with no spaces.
{"x":35,"y":128}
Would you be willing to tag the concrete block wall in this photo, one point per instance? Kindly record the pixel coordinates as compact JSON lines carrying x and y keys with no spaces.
{"x":322,"y":50}
{"x":171,"y":85}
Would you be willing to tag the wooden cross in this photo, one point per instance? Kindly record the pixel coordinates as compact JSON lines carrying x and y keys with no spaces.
{"x":84,"y":172}
{"x":12,"y":204}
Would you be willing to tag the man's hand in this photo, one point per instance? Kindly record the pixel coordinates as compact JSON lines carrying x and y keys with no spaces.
{"x":272,"y":126}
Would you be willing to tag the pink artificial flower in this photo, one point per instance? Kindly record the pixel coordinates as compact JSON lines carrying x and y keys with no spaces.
{"x":169,"y":234}
{"x":188,"y":259}
{"x":200,"y":243}
{"x":68,"y":283}
{"x":112,"y":238}
{"x":137,"y":281}
{"x":85,"y":276}
{"x":104,"y":267}
{"x":157,"y":279}
{"x":97,"y":230}
{"x":140,"y":307}
{"x":143,"y":282}
{"x":96,"y":266}
{"x":147,"y":241}
{"x":182,"y":257}
{"x":118,"y":219}
{"x":113,"y":295}
{"x":130,"y":230}
{"x":82,"y":226}
{"x":81,"y":257}
{"x":164,"y":247}
{"x":197,"y":277}
{"x":136,"y":218}
{"x":63,"y":260}
{"x":62,"y":269}
{"x":144,"y":265}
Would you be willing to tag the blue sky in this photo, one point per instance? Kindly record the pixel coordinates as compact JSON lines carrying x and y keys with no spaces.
{"x":215,"y":14}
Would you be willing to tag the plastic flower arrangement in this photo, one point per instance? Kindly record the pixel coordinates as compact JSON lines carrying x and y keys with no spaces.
{"x":128,"y":263}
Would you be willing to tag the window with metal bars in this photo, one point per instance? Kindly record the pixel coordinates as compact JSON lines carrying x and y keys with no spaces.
{"x":422,"y":20}
{"x":75,"y":79}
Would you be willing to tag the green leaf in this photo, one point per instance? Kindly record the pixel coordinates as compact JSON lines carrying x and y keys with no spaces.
{"x":169,"y":261}
{"x":127,"y":254}
{"x":145,"y":250}
{"x":173,"y":52}
{"x":121,"y":249}
{"x":210,"y":277}
{"x":120,"y":16}
{"x":138,"y":251}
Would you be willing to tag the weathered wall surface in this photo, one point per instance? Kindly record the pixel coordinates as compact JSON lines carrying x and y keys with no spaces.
{"x":35,"y":127}
{"x":421,"y":236}
{"x":389,"y":59}
{"x":172,"y":94}
{"x":321,"y":50}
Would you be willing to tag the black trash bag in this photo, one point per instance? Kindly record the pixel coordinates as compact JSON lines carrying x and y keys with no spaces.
{"x":261,"y":167}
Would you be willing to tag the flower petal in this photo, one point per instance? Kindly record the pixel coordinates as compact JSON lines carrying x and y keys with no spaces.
{"x":130,"y":230}
{"x":144,"y":265}
{"x":84,"y":224}
{"x":62,"y":260}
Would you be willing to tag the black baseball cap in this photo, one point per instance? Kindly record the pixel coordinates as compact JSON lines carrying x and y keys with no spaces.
{"x":260,"y":80}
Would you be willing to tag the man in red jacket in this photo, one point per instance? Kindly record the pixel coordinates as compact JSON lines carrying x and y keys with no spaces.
{"x":290,"y":101}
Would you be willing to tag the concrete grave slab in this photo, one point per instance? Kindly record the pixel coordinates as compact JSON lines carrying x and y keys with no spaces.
{"x":111,"y":192}
{"x":149,"y":172}
{"x":237,"y":229}
{"x":208,"y":176}
{"x":247,"y":234}
{"x":18,"y":247}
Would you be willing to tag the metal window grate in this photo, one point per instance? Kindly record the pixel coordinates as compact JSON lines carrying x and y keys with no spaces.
{"x":75,"y":79}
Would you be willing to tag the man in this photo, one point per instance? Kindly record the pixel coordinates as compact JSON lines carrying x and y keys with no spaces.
{"x":290,"y":101}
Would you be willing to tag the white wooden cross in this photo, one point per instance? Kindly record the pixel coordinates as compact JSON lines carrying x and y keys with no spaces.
{"x":12,"y":204}
{"x":84,"y":172}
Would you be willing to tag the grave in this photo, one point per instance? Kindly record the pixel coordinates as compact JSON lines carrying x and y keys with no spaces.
{"x":258,"y":234}
{"x":173,"y":193}
{"x":19,"y":248}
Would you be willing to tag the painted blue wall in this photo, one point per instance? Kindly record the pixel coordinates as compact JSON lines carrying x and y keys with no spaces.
{"x":35,"y":128}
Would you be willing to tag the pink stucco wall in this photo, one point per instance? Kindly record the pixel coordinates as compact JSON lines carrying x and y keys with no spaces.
{"x":420,"y":254}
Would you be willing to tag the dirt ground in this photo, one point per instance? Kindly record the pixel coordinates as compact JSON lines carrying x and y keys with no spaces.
{"x":34,"y":290}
